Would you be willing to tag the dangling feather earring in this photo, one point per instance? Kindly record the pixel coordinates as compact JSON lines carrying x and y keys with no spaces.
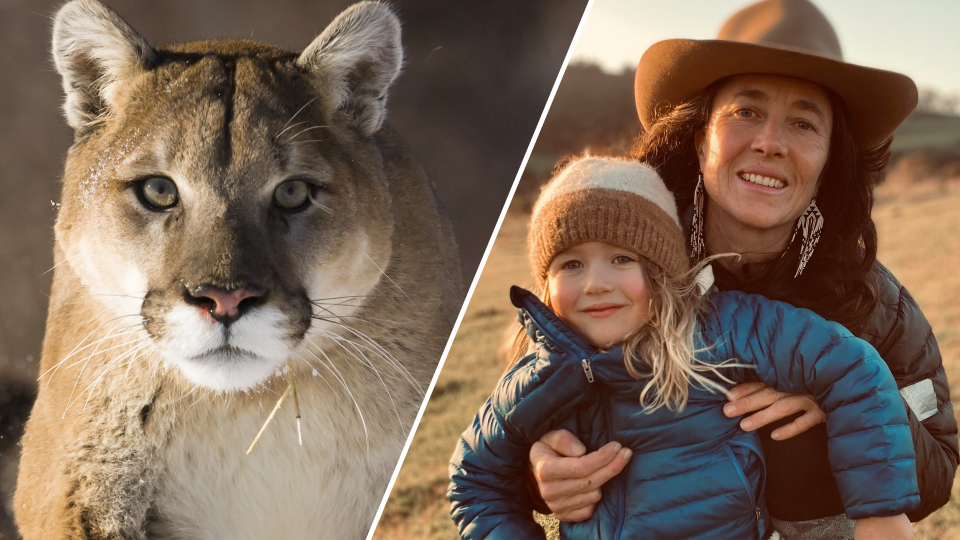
{"x":697,"y":247}
{"x":809,"y":225}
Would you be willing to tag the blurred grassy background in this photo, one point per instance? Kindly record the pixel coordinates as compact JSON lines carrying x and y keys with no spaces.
{"x":919,"y":231}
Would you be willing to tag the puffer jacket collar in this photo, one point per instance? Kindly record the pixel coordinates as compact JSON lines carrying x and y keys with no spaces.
{"x":543,"y":325}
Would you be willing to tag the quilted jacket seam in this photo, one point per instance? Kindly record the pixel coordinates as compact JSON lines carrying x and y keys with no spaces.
{"x":865,"y":430}
{"x":887,"y":462}
{"x":724,"y":494}
{"x":898,"y":319}
{"x":921,"y":354}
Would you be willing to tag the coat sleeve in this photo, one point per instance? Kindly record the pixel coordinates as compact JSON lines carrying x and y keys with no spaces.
{"x":905,"y":340}
{"x":795,"y":350}
{"x":489,"y":497}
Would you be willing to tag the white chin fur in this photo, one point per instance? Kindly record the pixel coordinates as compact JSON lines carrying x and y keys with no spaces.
{"x":197,"y":345}
{"x":227,"y":372}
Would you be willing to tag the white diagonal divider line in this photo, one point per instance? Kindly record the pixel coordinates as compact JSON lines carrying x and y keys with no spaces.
{"x":476,"y":277}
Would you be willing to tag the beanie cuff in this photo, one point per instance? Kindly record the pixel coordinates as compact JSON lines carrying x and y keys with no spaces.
{"x":615,"y":217}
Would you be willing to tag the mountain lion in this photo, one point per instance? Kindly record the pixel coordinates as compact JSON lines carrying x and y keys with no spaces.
{"x":234,"y":216}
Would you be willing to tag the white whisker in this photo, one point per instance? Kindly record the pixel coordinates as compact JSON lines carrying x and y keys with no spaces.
{"x":92,"y":386}
{"x":386,"y":276}
{"x":304,"y":131}
{"x":316,"y":372}
{"x":353,"y":317}
{"x":291,"y":127}
{"x":385,"y":354}
{"x":59,"y":263}
{"x":299,"y":111}
{"x":75,"y":351}
{"x":98,"y":352}
{"x":333,"y":369}
{"x":181,"y":398}
{"x":339,"y":297}
{"x":79,"y":375}
{"x":315,"y":203}
{"x":54,"y":368}
{"x":365,"y":361}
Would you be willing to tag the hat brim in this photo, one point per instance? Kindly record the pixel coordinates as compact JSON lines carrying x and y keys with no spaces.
{"x":675,"y":70}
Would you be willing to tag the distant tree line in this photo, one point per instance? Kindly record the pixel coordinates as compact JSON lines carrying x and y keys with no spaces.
{"x":935,"y":101}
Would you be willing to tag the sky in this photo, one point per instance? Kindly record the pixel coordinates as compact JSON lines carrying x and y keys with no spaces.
{"x":919,"y":38}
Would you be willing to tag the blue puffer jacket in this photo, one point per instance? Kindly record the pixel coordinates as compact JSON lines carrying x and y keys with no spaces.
{"x":694,"y":474}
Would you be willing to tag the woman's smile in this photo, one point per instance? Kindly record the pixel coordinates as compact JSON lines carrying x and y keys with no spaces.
{"x":773,"y":183}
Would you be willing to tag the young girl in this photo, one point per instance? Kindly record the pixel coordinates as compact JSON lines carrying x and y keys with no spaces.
{"x":606,"y":247}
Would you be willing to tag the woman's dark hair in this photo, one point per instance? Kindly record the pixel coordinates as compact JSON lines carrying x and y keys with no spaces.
{"x":838,"y":282}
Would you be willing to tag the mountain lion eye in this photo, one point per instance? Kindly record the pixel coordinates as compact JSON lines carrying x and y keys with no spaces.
{"x":291,"y":195}
{"x":159,"y":192}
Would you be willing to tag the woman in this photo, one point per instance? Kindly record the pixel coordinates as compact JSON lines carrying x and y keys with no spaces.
{"x":774,"y":148}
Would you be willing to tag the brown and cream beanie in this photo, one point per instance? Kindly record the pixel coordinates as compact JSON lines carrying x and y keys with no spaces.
{"x":603,"y":199}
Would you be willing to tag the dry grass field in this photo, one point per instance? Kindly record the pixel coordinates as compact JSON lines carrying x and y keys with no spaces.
{"x":919,"y":230}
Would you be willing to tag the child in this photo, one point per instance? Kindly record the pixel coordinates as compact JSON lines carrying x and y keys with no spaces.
{"x":606,"y":246}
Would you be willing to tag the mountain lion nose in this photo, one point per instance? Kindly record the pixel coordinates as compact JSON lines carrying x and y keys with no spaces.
{"x":226,"y":301}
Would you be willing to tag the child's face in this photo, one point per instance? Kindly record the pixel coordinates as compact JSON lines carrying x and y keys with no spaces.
{"x":599,"y":290}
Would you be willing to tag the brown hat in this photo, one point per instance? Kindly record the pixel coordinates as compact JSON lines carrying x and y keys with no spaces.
{"x":779,"y":37}
{"x":600,"y":199}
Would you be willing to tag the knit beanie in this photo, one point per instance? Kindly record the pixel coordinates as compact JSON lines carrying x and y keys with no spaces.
{"x":617,"y":201}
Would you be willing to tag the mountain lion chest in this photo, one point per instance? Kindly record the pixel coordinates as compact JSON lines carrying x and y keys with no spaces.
{"x":329,"y":487}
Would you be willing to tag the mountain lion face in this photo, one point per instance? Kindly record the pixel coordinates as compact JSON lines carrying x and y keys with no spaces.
{"x":225,"y":198}
{"x":231,"y":209}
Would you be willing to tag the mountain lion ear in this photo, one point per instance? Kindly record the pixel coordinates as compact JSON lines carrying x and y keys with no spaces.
{"x":94,"y":49}
{"x":354,"y":61}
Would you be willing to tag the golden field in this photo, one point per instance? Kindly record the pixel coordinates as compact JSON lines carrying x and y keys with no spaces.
{"x":919,"y":231}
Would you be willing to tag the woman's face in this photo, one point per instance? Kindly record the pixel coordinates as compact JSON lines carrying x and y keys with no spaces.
{"x":599,"y":290}
{"x":763,"y":149}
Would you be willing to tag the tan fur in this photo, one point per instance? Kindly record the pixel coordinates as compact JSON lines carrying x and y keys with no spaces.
{"x":120,"y":443}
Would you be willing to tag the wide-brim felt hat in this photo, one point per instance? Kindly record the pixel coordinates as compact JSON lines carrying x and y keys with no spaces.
{"x":778,"y":37}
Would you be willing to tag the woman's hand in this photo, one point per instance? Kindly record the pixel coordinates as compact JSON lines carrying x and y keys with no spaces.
{"x":756,"y":396}
{"x":570,"y":481}
{"x":883,"y":528}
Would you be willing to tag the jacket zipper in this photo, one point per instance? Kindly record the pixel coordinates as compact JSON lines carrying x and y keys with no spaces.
{"x":623,"y":507}
{"x":587,"y":370}
{"x":621,"y":484}
{"x":757,"y":498}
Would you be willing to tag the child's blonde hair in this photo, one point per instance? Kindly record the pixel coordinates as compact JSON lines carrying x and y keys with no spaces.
{"x":663,"y":350}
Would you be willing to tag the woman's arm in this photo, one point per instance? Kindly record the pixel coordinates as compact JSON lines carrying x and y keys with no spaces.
{"x":903,"y":337}
{"x":796,"y":350}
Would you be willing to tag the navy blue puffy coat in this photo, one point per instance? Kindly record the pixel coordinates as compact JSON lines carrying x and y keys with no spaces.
{"x":694,"y":474}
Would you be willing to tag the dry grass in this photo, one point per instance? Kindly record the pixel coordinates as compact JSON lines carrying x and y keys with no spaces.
{"x":919,"y":232}
{"x":417,"y":507}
